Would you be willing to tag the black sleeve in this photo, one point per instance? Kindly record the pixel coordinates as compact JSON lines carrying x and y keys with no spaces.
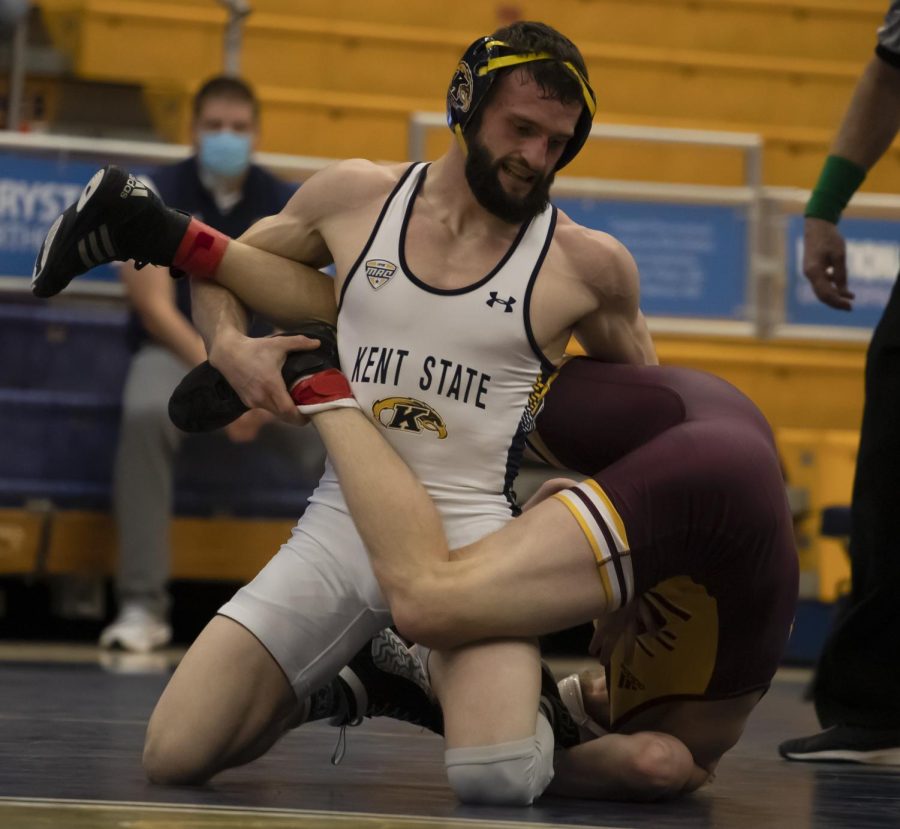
{"x":888,"y":48}
{"x":888,"y":56}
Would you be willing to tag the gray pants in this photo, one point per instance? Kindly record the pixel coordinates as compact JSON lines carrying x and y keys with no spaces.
{"x":143,"y":477}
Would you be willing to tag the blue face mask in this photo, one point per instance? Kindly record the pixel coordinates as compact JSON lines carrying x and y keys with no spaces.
{"x":224,"y":153}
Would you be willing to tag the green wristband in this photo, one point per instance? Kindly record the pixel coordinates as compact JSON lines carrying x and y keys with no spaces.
{"x":838,"y":181}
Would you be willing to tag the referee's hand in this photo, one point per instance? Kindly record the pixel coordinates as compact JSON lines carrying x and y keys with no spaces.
{"x":824,"y":263}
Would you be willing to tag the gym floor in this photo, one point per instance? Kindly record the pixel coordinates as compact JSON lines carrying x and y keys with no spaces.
{"x":72,"y":723}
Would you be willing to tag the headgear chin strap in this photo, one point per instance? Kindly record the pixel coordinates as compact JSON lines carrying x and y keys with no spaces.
{"x":477,"y":71}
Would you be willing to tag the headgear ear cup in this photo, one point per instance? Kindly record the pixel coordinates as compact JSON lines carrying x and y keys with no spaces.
{"x":476,"y":72}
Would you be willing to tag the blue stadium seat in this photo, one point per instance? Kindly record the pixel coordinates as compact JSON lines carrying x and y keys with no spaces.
{"x":57,"y":445}
{"x":61,"y":379}
{"x":65,"y":349}
{"x":214,"y":475}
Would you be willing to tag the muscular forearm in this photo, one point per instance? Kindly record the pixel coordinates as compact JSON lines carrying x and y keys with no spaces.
{"x":645,"y":350}
{"x":873,"y":117}
{"x":618,"y":340}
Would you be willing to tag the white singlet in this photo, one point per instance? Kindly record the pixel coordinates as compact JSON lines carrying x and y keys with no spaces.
{"x":454,"y":378}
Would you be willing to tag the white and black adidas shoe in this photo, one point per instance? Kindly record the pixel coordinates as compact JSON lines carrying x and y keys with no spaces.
{"x":116,"y":218}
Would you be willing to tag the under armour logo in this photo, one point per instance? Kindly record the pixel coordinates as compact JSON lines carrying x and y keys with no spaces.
{"x":506,"y":303}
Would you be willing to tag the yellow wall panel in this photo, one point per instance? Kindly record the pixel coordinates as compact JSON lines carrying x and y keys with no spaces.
{"x":21,"y":533}
{"x":799,"y":385}
{"x":769,"y":27}
{"x":232,"y":549}
{"x":229,"y":549}
{"x":822,"y":464}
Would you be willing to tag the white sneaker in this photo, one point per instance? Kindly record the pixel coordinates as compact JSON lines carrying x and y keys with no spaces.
{"x":136,"y":629}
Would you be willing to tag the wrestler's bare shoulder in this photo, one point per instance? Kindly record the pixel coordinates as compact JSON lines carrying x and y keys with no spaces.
{"x":593,"y":257}
{"x":346,"y":186}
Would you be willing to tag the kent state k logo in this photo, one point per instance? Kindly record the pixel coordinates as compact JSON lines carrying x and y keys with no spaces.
{"x":409,"y":415}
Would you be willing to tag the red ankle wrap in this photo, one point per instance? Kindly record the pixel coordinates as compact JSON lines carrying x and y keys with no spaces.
{"x":324,"y":387}
{"x":201,"y":250}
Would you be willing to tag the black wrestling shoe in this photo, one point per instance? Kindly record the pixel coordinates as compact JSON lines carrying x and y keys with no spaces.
{"x":846,"y":744}
{"x":565,"y":729}
{"x":116,"y":218}
{"x":387,"y":680}
{"x":204,"y":400}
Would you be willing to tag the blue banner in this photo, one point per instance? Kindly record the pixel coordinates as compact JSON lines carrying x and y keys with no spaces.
{"x":692,"y":258}
{"x":873,"y":260}
{"x":33,"y":192}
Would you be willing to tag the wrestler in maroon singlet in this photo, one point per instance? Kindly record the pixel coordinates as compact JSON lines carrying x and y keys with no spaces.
{"x":690,"y":466}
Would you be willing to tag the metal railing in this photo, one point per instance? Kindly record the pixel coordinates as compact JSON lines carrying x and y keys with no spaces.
{"x":746,"y":196}
{"x":293,"y":167}
{"x":767,"y":210}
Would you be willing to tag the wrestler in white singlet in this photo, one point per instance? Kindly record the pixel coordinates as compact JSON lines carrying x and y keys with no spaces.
{"x":454,"y":378}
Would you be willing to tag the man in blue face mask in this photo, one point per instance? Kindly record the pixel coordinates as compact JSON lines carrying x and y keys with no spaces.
{"x":220,"y":185}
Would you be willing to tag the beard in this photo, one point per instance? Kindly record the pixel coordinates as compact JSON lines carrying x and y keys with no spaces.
{"x":483,"y":176}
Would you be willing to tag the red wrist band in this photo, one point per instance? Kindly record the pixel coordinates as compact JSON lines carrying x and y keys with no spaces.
{"x":324,"y":387}
{"x":201,"y":250}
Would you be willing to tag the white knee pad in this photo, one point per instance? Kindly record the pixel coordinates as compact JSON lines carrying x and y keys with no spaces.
{"x":505,"y":774}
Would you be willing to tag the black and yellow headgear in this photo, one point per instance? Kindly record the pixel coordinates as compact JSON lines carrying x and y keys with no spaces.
{"x":476,"y":73}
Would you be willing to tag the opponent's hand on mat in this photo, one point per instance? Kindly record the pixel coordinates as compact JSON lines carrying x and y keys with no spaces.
{"x":824,"y":263}
{"x":252,"y":366}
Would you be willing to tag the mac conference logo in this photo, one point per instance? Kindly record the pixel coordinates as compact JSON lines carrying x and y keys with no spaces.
{"x":409,"y":415}
{"x":379,"y":271}
{"x":460,"y":93}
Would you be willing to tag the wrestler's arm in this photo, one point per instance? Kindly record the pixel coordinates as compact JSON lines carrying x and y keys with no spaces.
{"x":615,"y":331}
{"x":258,"y":272}
{"x":269,"y":271}
{"x":253,"y":366}
{"x":271,"y":268}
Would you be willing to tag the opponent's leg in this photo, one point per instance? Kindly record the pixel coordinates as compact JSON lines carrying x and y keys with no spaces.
{"x":703,"y":483}
{"x":410,"y":555}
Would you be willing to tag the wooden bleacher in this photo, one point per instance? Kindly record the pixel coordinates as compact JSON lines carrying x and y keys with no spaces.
{"x":341,"y":78}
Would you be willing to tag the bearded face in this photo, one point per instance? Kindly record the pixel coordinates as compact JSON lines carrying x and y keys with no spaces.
{"x":483,"y":173}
